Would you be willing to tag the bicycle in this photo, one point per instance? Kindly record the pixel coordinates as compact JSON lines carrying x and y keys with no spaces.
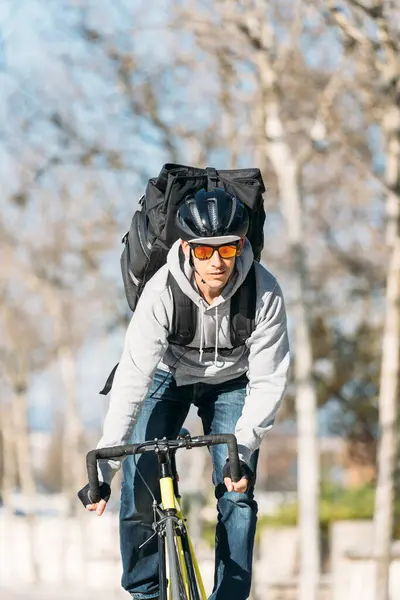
{"x":184,"y":580}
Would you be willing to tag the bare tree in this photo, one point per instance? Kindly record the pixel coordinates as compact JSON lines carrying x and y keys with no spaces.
{"x":287,"y":169}
{"x":20,"y":358}
{"x":252,"y":43}
{"x":8,"y":460}
{"x":310,"y":145}
{"x":253,"y":97}
{"x":64,"y":246}
{"x":371,"y":28}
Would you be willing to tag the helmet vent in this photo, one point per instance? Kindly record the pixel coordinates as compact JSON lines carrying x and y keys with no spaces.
{"x":233,"y":211}
{"x":212,"y":211}
{"x":196,"y":216}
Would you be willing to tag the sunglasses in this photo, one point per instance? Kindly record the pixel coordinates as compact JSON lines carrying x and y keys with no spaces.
{"x":205,"y":252}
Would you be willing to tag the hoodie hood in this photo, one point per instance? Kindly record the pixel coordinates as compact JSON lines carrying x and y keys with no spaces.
{"x":181,"y":270}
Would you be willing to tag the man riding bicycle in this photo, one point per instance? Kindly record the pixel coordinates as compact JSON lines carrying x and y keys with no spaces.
{"x":236,"y":389}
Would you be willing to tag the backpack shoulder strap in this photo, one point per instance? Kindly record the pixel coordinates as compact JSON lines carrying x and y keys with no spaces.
{"x":183,"y":325}
{"x":184,"y":316}
{"x":242,"y":318}
{"x":243,"y":309}
{"x":108,"y":384}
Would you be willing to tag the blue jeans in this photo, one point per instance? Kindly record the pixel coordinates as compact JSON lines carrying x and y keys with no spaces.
{"x":163,"y":414}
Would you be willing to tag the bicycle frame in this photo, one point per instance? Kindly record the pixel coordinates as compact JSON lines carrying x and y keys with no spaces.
{"x":193,"y":556}
{"x":169,"y":525}
{"x":170,"y":500}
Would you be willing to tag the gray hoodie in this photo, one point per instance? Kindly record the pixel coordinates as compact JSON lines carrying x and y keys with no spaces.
{"x":264,"y":357}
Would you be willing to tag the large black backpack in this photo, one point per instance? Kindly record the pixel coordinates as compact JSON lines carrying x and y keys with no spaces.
{"x":153,"y":232}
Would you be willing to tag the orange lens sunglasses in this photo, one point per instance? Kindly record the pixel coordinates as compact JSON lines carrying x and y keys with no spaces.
{"x":205,"y":252}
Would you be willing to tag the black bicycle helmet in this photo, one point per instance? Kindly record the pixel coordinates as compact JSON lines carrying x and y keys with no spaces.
{"x":211,"y":214}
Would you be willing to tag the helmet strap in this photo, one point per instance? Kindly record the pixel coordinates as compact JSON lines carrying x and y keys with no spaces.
{"x":191,"y":263}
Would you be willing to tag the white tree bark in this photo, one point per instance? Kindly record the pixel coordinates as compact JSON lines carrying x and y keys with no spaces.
{"x":287,"y":173}
{"x":382,"y":52}
{"x":390,"y":371}
{"x":9,"y":474}
{"x":306,"y":397}
{"x":74,"y":475}
{"x":24,"y":466}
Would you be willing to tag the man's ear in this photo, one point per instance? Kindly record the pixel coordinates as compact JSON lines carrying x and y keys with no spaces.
{"x":186,"y":248}
{"x":240,"y":246}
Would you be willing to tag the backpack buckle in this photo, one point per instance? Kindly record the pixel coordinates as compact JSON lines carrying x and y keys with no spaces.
{"x":212,"y":178}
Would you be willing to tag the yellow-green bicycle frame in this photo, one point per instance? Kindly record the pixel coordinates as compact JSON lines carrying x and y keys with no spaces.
{"x":169,"y":501}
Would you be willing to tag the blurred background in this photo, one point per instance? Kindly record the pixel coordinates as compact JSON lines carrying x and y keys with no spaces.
{"x":95,"y":97}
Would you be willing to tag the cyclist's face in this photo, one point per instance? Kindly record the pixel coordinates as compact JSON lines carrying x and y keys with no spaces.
{"x":216,"y":270}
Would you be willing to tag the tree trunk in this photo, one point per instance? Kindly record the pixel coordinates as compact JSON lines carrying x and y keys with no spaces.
{"x":73,"y":460}
{"x":9,"y":473}
{"x":287,"y":173}
{"x":229,"y":128}
{"x":306,"y":398}
{"x":20,"y":426}
{"x":24,"y":466}
{"x":73,"y":464}
{"x":389,"y":381}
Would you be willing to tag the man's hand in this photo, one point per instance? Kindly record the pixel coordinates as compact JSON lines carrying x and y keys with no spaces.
{"x":99,"y":507}
{"x":236,"y":486}
{"x":240,"y":486}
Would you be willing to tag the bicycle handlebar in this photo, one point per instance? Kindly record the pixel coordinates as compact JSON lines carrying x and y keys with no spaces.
{"x":158,"y":446}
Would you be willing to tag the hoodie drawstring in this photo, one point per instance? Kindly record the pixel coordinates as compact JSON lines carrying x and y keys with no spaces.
{"x":202,"y":334}
{"x":216,"y":337}
{"x":201,"y":331}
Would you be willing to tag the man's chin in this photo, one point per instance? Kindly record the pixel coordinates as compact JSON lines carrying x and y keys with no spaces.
{"x":216,"y":283}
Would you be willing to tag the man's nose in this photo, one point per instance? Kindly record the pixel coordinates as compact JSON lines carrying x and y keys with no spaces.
{"x":216,"y":260}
